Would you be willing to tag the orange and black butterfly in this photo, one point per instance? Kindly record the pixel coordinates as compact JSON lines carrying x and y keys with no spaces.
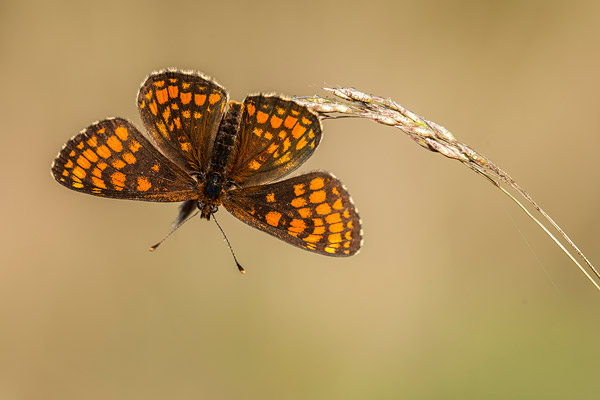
{"x":205,"y":150}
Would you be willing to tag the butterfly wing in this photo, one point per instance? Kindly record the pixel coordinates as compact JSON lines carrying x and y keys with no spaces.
{"x":182,"y":112}
{"x":112,"y":158}
{"x":276,"y":136}
{"x":312,"y":211}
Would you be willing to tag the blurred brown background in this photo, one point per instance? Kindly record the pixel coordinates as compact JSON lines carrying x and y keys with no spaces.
{"x":455,"y":295}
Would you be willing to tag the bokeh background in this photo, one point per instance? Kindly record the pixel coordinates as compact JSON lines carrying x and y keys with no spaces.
{"x":455,"y":294}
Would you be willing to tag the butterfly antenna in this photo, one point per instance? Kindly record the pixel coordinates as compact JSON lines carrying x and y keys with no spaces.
{"x":242,"y":270}
{"x":152,"y":248}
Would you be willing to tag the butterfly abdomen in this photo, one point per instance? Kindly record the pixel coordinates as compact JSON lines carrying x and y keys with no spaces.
{"x":225,"y":141}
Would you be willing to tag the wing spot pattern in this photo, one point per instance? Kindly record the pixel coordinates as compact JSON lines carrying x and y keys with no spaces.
{"x":118,"y":164}
{"x":273,"y":218}
{"x":143,"y":184}
{"x":317,"y":197}
{"x":134,"y":146}
{"x":173,"y":91}
{"x":162,"y":96}
{"x":319,"y":230}
{"x":276,"y":122}
{"x":297,"y":225}
{"x":337,"y":205}
{"x":199,"y":99}
{"x":99,"y":183}
{"x":336,"y":228}
{"x":323,"y":209}
{"x":154,"y":108}
{"x":103,"y":151}
{"x":122,"y":133}
{"x":305,"y":212}
{"x":79,"y":172}
{"x":290,"y":122}
{"x":313,"y":239}
{"x":93,"y":141}
{"x":298,"y":202}
{"x":299,"y":189}
{"x":185,"y":97}
{"x":262,"y":117}
{"x":333,"y":218}
{"x":317,"y":183}
{"x":114,"y":143}
{"x":129,"y":158}
{"x":83,"y":162}
{"x":272,"y":148}
{"x":118,"y":180}
{"x":301,"y":143}
{"x":167,"y":114}
{"x":334,"y":238}
{"x":90,"y":155}
{"x":298,"y":131}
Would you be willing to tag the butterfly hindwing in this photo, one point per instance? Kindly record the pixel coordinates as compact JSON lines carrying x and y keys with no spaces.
{"x":312,"y":211}
{"x":276,"y":136}
{"x":112,"y":158}
{"x":182,"y":113}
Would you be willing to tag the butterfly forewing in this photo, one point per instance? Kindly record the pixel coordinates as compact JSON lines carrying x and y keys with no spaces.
{"x":312,"y":211}
{"x":276,"y":136}
{"x":182,"y":112}
{"x":112,"y":158}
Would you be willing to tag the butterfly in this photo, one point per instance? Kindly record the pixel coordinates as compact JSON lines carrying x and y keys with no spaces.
{"x":206,"y":151}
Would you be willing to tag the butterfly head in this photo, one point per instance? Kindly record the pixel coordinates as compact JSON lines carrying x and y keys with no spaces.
{"x":207,"y":209}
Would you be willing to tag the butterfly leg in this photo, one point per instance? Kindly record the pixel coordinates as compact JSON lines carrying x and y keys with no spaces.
{"x":185,"y":210}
